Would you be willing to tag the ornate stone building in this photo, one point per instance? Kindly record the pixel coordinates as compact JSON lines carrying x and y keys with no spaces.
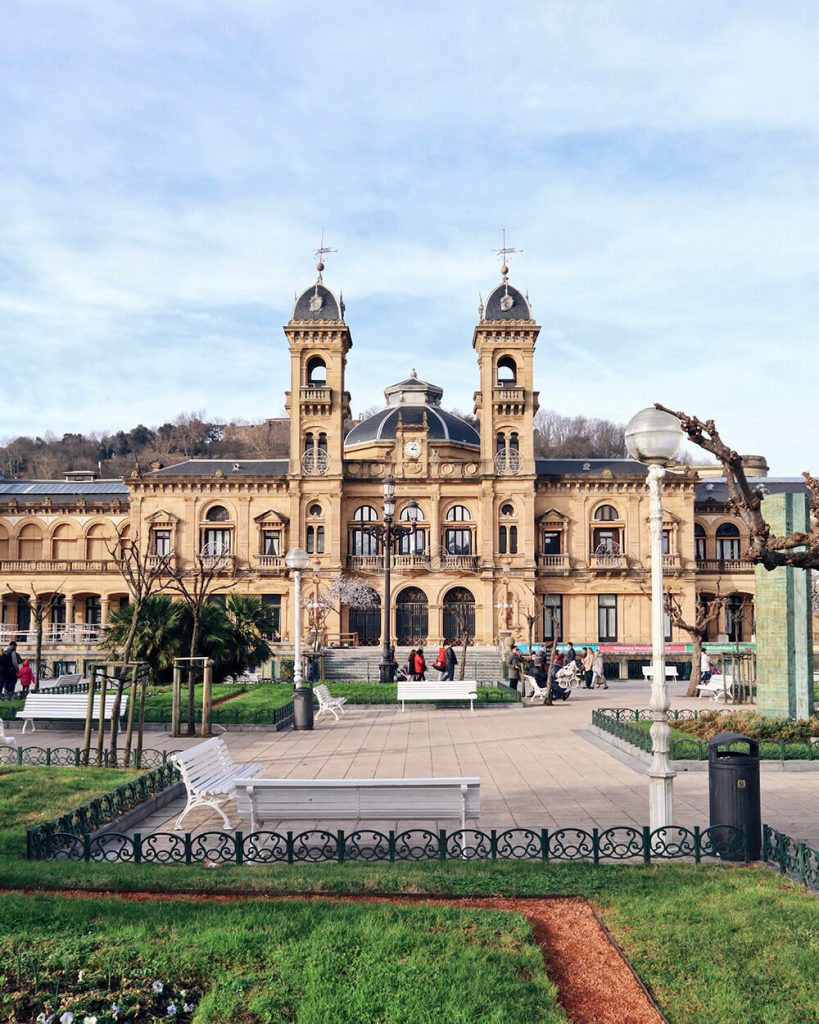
{"x":503,"y":540}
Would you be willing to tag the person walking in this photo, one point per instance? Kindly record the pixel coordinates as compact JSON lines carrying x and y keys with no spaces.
{"x":588,"y":667}
{"x":597,"y":671}
{"x":9,"y":665}
{"x":451,"y":662}
{"x":440,"y":660}
{"x":420,"y":665}
{"x":26,"y":676}
{"x":571,"y":653}
{"x":513,"y":667}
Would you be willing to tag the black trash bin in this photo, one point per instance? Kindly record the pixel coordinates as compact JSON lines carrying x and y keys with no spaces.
{"x":733,"y":794}
{"x":303,"y":707}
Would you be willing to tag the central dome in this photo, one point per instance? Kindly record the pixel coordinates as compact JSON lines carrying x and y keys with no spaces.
{"x":413,"y":402}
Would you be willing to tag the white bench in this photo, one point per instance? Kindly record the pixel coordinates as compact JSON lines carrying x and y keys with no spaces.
{"x":327,"y":702}
{"x":66,"y":707}
{"x":718,"y":687}
{"x":463,"y":689}
{"x":670,"y":672}
{"x":327,"y":800}
{"x":209,"y":772}
{"x":530,"y":683}
{"x":72,"y":679}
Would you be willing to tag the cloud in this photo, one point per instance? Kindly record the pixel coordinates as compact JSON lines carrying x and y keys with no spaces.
{"x":167,"y":170}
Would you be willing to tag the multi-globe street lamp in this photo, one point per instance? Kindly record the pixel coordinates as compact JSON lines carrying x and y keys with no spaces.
{"x":386,"y":534}
{"x":654,"y":437}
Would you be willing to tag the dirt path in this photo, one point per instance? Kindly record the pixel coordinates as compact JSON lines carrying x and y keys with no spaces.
{"x":595,"y":983}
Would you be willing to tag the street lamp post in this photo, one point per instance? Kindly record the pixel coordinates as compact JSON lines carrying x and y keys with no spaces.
{"x":387,"y":534}
{"x":654,"y":437}
{"x":296,"y":559}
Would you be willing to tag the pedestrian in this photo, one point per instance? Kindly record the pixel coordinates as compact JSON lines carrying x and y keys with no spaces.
{"x":514,"y":667}
{"x":440,"y":660}
{"x":588,"y":667}
{"x":557,"y":665}
{"x":571,"y":653}
{"x":451,"y":661}
{"x":420,"y":665}
{"x":411,"y":664}
{"x":392,"y":663}
{"x":9,"y":664}
{"x":25,"y":675}
{"x":556,"y":691}
{"x":597,"y":671}
{"x":705,"y":667}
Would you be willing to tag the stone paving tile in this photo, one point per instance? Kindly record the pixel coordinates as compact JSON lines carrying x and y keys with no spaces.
{"x":537,"y":769}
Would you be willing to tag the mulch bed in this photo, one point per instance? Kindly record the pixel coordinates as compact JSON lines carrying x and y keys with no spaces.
{"x":595,"y":983}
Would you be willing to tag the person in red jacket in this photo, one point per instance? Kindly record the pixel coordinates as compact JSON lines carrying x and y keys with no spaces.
{"x":25,"y":675}
{"x":420,"y":665}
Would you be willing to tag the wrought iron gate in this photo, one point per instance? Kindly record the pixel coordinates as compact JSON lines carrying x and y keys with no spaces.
{"x":411,"y":617}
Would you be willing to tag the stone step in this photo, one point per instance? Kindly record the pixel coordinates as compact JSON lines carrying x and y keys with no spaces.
{"x":482,"y":663}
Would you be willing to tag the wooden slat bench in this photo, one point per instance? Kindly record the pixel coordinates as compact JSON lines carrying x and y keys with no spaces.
{"x":327,"y":702}
{"x":719,"y":687}
{"x":326,"y":800}
{"x":209,"y":774}
{"x":66,"y":707}
{"x":463,"y":689}
{"x":670,"y":672}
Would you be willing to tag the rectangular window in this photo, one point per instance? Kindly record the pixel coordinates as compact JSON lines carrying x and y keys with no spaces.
{"x":458,"y":542}
{"x":699,"y":549}
{"x":216,"y":542}
{"x":667,"y":627}
{"x":271,"y":542}
{"x":553,"y":617}
{"x":733,"y":618}
{"x":272,"y":604}
{"x":606,"y":542}
{"x":551,"y":542}
{"x":502,"y":540}
{"x":413,"y":544}
{"x":162,"y":542}
{"x":362,"y":543}
{"x":666,"y":542}
{"x":728,"y":549}
{"x":607,"y":618}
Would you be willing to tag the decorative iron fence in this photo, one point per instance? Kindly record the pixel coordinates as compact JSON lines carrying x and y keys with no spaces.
{"x":798,"y":860}
{"x":621,"y":843}
{"x":78,"y":824}
{"x":71,"y":757}
{"x":621,"y":722}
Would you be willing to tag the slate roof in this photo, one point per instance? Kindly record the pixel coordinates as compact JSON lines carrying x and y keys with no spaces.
{"x":717,"y":490}
{"x":589,"y":467}
{"x":330,"y":308}
{"x":61,"y":490}
{"x":442,"y":425}
{"x":230,"y":467}
{"x":519,"y":310}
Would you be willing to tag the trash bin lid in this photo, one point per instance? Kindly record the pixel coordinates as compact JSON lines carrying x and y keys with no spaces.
{"x":727,"y":739}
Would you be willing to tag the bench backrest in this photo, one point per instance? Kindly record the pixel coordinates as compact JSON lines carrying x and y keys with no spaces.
{"x":670,"y":671}
{"x":336,"y":799}
{"x":68,"y":705}
{"x":323,"y":692}
{"x":436,"y":690}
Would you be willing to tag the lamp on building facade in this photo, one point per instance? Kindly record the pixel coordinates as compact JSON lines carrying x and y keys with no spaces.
{"x":297,"y":560}
{"x":654,"y":438}
{"x":387,"y":533}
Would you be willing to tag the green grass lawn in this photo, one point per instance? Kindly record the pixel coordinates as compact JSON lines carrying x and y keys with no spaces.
{"x":256,"y":961}
{"x":716,"y":944}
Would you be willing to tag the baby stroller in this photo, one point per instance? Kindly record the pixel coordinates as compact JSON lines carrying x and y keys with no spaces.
{"x":401,"y":675}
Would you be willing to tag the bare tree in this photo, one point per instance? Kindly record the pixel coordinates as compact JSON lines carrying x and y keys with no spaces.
{"x":344,"y":591}
{"x":41,"y":605}
{"x":745,"y":501}
{"x":706,"y":612}
{"x":143,"y":575}
{"x":196,"y":585}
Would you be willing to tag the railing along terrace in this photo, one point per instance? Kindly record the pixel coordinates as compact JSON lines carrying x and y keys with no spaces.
{"x":464,"y":563}
{"x":58,"y":565}
{"x":724,"y":565}
{"x":609,"y":562}
{"x":56,"y":633}
{"x":553,"y":563}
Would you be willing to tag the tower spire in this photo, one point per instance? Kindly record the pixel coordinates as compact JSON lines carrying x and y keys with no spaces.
{"x":319,"y":254}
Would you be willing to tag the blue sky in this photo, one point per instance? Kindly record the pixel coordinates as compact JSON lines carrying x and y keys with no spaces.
{"x":167,"y":168}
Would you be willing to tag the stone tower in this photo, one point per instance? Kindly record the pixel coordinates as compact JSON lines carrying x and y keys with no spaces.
{"x":504,"y":340}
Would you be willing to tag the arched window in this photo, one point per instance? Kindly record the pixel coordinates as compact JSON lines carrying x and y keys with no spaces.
{"x":606,"y":514}
{"x":314,"y":510}
{"x":507,"y":510}
{"x":315,"y":540}
{"x":699,"y":542}
{"x":411,"y":514}
{"x":217,"y":514}
{"x":316,"y":372}
{"x":30,"y":542}
{"x":365,"y":514}
{"x":362,"y":543}
{"x":507,"y":372}
{"x":507,"y":539}
{"x":728,"y":542}
{"x":500,"y":442}
{"x":459,"y":615}
{"x":514,"y":442}
{"x":411,"y":617}
{"x":4,"y":542}
{"x":322,"y":442}
{"x":63,"y":542}
{"x":459,"y":514}
{"x":98,"y":543}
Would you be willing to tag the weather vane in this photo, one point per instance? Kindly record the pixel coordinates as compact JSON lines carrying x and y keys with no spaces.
{"x":320,"y":253}
{"x":504,"y":251}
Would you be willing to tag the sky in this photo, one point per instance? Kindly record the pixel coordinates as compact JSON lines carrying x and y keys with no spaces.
{"x":167,"y":169}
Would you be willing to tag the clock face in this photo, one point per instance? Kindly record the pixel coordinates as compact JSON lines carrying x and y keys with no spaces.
{"x":412,"y":449}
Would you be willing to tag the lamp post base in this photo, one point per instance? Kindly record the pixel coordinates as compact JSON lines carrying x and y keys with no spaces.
{"x":386,"y":673}
{"x":660,"y":799}
{"x":303,"y":708}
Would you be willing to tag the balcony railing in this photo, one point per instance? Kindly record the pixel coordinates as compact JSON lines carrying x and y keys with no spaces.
{"x":316,"y":400}
{"x":154,"y":561}
{"x":365,"y":563}
{"x":410,"y":562}
{"x":553,"y":563}
{"x":608,"y":563}
{"x":464,"y":563}
{"x":224,"y":563}
{"x":58,"y":565}
{"x":269,"y":564}
{"x":55,"y":633}
{"x":724,"y":565}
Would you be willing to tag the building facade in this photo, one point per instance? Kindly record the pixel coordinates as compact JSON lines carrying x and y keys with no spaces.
{"x":504,"y":542}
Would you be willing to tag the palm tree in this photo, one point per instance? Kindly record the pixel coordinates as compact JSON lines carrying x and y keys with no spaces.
{"x":241,"y":641}
{"x":160,"y":635}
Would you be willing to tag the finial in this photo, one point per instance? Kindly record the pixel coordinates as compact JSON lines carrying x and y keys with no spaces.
{"x":413,"y":374}
{"x":480,"y":306}
{"x":319,"y":253}
{"x":504,"y":251}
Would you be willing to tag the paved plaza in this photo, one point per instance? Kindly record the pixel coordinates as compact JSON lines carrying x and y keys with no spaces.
{"x":538,"y":766}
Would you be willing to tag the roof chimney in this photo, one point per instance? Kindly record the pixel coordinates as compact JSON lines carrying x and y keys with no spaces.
{"x":755,"y":465}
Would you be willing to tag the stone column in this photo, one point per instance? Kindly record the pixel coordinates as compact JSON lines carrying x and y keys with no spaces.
{"x":784,"y":634}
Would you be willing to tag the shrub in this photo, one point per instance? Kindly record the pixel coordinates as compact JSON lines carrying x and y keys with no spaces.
{"x":750,"y":723}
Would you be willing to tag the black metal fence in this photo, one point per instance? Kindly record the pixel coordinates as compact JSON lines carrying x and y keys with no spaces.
{"x":72,"y":757}
{"x":798,"y":860}
{"x":621,"y":722}
{"x":621,"y":843}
